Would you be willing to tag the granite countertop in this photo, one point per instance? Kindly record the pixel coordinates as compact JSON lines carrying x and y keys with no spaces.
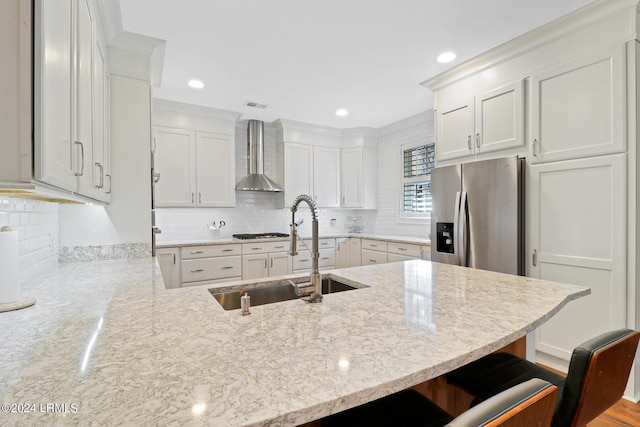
{"x":107,"y":345}
{"x":227,"y":240}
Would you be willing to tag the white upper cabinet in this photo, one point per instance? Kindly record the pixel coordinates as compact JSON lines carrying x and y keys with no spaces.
{"x":196,"y":168}
{"x":194,"y":155}
{"x":578,"y":107}
{"x":298,"y":171}
{"x":490,"y":121}
{"x":326,"y":176}
{"x":454,"y":130}
{"x":52,"y":94}
{"x":71,"y":99}
{"x":175,"y":162}
{"x":311,"y":162}
{"x":215,"y":170}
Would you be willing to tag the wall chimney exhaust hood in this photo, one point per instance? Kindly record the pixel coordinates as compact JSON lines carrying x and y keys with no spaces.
{"x":256,"y":180}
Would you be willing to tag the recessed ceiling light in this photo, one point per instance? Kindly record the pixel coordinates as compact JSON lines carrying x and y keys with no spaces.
{"x":196,"y":84}
{"x":446,"y":57}
{"x":342,"y":112}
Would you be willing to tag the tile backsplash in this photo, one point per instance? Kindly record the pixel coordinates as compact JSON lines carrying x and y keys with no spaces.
{"x":37,"y":224}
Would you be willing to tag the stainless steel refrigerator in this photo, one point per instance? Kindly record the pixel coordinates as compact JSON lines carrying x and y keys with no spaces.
{"x":477,"y":216}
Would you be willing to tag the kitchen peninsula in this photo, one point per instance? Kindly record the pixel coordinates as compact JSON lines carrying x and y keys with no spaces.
{"x":109,"y":345}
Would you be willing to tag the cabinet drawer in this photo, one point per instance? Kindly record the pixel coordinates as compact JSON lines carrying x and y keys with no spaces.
{"x":265,"y":247}
{"x":395,"y":257}
{"x":304,"y":260}
{"x":370,"y":257}
{"x":322,"y":243}
{"x":195,"y":270}
{"x":195,"y":252}
{"x":327,"y":258}
{"x":374,"y":245}
{"x":407,"y":249}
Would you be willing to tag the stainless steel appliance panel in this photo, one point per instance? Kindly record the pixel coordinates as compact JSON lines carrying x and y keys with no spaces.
{"x":491,"y":206}
{"x":446,"y":184}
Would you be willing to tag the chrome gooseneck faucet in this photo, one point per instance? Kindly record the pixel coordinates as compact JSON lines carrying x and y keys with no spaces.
{"x":316,"y":295}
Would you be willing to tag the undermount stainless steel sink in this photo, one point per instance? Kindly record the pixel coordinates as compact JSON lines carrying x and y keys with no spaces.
{"x":273,"y":293}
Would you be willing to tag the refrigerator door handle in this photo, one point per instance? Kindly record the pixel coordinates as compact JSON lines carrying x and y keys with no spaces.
{"x":456,"y":229}
{"x":463,"y":225}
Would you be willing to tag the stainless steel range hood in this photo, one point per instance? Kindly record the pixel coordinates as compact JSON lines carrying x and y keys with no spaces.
{"x":256,"y":180}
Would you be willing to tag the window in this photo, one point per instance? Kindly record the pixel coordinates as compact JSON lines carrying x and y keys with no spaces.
{"x":418,"y":160}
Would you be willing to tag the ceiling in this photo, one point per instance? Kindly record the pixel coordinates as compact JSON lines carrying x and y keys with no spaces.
{"x":305,"y":59}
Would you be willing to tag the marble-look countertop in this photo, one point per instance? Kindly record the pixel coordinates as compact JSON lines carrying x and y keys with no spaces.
{"x":224,"y":241}
{"x":106,"y":344}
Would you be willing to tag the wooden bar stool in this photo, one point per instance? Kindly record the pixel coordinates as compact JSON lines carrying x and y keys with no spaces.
{"x":598,"y":374}
{"x":528,"y":404}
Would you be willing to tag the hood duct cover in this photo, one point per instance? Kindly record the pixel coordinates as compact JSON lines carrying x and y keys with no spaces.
{"x":256,"y":180}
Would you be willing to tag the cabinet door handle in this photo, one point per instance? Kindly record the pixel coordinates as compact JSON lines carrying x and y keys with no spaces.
{"x":227,"y":268}
{"x":193,"y":198}
{"x":402,"y":249}
{"x":373,"y":246}
{"x":200,"y":198}
{"x":154,"y":146}
{"x":81,"y":157}
{"x":478,"y":140}
{"x":174,"y":259}
{"x":271,"y":262}
{"x":373,"y":260}
{"x":534,"y":258}
{"x":535,"y":147}
{"x":197,"y":252}
{"x":99,"y":165}
{"x":343,"y":200}
{"x":278,"y":247}
{"x":469,"y":142}
{"x":265,"y":263}
{"x":326,"y":257}
{"x":304,"y":260}
{"x":197,"y":271}
{"x":256,"y":249}
{"x":109,"y":175}
{"x":227,"y":250}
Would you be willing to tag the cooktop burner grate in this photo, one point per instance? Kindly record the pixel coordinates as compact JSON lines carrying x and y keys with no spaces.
{"x":249,"y":236}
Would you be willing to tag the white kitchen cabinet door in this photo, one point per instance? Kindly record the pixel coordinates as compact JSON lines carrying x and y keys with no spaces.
{"x":54,"y":149}
{"x":576,"y":235}
{"x":84,"y":41}
{"x":175,"y":162}
{"x":356,"y":252}
{"x":454,"y":130}
{"x":215,"y":170}
{"x":169,"y":262}
{"x":255,"y":266}
{"x":343,"y":252}
{"x":578,"y":107}
{"x":352,"y":177}
{"x":326,"y":177}
{"x":499,"y":122}
{"x":298,"y":171}
{"x":280,"y":264}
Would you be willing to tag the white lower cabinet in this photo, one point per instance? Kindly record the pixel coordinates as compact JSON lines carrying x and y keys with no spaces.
{"x":169,"y":262}
{"x":370,"y":257}
{"x":348,"y":252}
{"x":402,"y":251}
{"x":210,"y":264}
{"x":265,"y":259}
{"x":577,"y":235}
{"x":303,"y":262}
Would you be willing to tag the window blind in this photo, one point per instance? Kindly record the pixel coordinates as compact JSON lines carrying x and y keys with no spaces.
{"x":418,"y":162}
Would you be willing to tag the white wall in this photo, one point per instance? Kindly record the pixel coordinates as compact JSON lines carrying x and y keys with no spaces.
{"x":37,"y":225}
{"x":386,"y":219}
{"x":127,"y":219}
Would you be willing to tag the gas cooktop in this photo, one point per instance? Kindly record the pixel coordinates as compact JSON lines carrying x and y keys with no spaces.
{"x":250,"y":236}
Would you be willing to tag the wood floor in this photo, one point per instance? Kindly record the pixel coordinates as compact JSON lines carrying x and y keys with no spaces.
{"x":623,"y":413}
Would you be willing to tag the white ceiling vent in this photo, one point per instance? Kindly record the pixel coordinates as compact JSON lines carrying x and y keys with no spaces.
{"x":255,"y":105}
